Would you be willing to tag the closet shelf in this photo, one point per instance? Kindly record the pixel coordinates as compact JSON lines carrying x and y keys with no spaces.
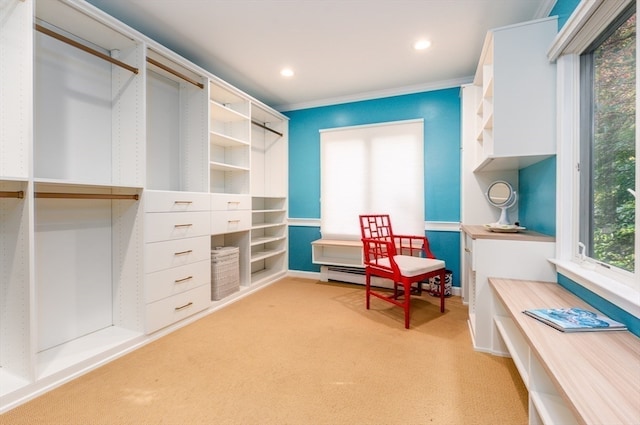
{"x":219,"y":166}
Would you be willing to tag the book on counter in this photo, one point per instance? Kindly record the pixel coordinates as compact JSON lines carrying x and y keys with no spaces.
{"x":574,"y":319}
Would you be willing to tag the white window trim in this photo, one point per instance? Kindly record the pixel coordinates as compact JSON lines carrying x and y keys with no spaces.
{"x":586,"y":23}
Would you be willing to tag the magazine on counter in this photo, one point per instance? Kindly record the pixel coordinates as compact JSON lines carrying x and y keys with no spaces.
{"x":574,"y":319}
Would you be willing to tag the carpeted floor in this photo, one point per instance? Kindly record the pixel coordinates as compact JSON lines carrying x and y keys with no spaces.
{"x":298,"y":352}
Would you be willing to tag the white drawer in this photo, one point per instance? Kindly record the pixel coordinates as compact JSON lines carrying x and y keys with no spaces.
{"x":169,"y":201}
{"x":167,"y":254}
{"x":230,"y":221}
{"x":176,"y":225}
{"x":170,"y":310}
{"x":165,"y":283}
{"x":230,"y":202}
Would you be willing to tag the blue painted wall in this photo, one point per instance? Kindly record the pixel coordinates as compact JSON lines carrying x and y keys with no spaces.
{"x":440,"y":110}
{"x":599,"y":303}
{"x":563,"y":9}
{"x":537,"y":197}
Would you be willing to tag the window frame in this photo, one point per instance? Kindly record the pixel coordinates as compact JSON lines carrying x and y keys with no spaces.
{"x":585,"y":25}
{"x":586,"y":168}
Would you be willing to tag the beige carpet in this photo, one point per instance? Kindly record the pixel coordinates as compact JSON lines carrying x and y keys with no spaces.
{"x":298,"y":352}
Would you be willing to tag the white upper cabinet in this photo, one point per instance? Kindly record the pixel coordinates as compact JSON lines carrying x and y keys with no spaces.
{"x":515,"y":114}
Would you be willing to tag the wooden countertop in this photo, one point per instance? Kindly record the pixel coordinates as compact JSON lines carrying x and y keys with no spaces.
{"x":596,"y":373}
{"x":478,"y":231}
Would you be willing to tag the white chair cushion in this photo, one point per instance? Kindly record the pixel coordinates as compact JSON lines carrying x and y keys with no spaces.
{"x":413,"y":266}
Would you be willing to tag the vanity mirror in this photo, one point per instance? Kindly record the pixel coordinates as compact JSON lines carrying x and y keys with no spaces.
{"x":501,"y":195}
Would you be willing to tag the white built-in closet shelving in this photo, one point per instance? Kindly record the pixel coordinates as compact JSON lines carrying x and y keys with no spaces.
{"x":88,"y":175}
{"x":121,"y":165}
{"x":269,"y":194}
{"x":177,"y":203}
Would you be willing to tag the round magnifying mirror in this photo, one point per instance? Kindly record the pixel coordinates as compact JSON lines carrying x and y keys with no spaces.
{"x":500,"y":194}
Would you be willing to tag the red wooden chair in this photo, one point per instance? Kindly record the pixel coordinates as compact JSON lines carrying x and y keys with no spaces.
{"x":403,"y":259}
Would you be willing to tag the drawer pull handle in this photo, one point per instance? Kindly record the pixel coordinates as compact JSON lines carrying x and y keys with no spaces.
{"x":467,"y":250}
{"x":183,"y":202}
{"x":233,"y":202}
{"x":182,"y":307}
{"x":183,"y":279}
{"x":184,"y":252}
{"x":183,"y":225}
{"x":232,"y":221}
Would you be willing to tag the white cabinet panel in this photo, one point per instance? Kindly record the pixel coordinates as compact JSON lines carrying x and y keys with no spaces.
{"x":170,"y":310}
{"x":169,"y":201}
{"x":230,"y":202}
{"x":167,"y":226}
{"x":230,"y":221}
{"x":165,"y":283}
{"x":167,"y":254}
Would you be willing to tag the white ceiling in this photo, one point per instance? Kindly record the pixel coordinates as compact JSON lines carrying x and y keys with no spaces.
{"x":341,"y":50}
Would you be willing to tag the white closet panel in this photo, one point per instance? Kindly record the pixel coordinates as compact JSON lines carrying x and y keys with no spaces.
{"x":73,"y":114}
{"x":73,"y":269}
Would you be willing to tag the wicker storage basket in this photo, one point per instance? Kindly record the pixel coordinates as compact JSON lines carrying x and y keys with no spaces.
{"x":225,"y":272}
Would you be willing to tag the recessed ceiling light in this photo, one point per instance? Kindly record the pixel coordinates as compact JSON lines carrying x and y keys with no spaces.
{"x":287,"y":72}
{"x":422,"y":44}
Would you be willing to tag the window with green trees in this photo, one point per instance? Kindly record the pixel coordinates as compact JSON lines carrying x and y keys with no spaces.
{"x":608,"y":147}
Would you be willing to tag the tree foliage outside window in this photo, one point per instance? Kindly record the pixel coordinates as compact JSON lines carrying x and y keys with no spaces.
{"x":609,"y":230}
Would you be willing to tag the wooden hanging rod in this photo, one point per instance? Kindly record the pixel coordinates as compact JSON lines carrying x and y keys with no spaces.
{"x":174,"y":72}
{"x":84,"y":196}
{"x":85,"y":48}
{"x":18,"y":194}
{"x":259,"y":124}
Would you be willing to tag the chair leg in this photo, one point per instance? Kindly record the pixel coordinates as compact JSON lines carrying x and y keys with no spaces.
{"x":442,"y":282}
{"x":407,"y":304}
{"x":368,"y":288}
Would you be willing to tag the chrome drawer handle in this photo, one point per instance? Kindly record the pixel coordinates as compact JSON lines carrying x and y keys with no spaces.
{"x":183,"y":252}
{"x":183,"y":225}
{"x":187,"y":305}
{"x":183,"y":202}
{"x":183,"y":279}
{"x":233,"y":221}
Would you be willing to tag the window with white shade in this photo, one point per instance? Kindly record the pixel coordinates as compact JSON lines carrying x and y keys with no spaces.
{"x":372,"y":169}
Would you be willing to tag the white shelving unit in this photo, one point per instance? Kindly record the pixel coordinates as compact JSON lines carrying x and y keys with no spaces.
{"x":88,"y":164}
{"x":177,"y":208}
{"x":488,"y":254}
{"x":565,"y":374}
{"x":229,"y":140}
{"x":268,"y":238}
{"x":515,"y":112}
{"x":121,"y":165}
{"x":269,"y":231}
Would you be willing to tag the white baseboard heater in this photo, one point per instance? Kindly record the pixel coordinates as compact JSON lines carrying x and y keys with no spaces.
{"x":351,"y":275}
